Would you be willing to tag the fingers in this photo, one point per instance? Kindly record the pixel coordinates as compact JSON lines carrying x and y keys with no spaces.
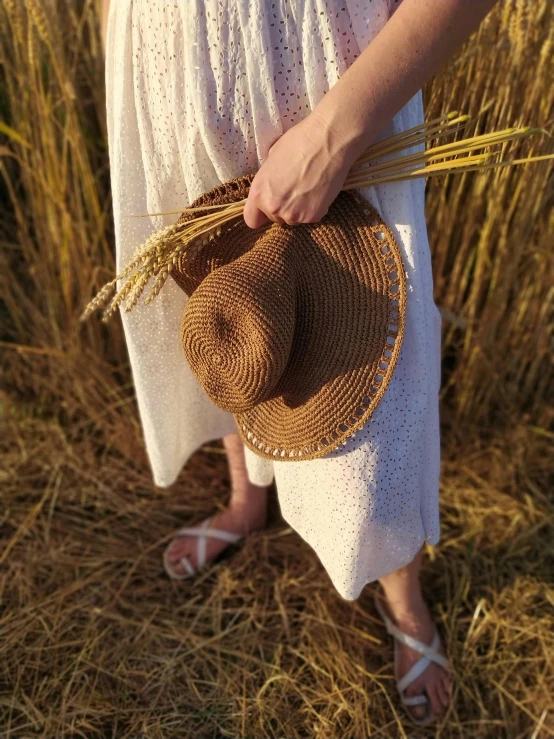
{"x":266,"y":203}
{"x":253,"y":216}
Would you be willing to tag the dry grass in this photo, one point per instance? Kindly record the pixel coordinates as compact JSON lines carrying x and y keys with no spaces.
{"x":95,"y":641}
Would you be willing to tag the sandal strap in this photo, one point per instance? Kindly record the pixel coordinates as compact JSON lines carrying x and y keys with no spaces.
{"x":203,"y":533}
{"x":429,"y":654}
{"x":428,"y":651}
{"x":418,"y":700}
{"x":185,"y":561}
{"x":414,"y":700}
{"x":210,"y":533}
{"x":201,"y":543}
{"x":417,"y":669}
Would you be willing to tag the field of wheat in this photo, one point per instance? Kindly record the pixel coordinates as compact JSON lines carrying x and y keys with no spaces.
{"x":95,"y":641}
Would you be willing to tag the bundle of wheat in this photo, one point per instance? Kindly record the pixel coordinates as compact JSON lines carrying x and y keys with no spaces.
{"x":156,"y":257}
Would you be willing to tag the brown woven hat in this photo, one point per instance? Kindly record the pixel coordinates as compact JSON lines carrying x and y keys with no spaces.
{"x":294,"y":329}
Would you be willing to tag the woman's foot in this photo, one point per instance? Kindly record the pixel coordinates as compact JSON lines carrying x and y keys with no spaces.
{"x":245,"y":513}
{"x":415,"y":620}
{"x":409,"y":612}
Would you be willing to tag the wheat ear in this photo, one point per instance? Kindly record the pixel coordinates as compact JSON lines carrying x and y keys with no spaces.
{"x":182,"y":242}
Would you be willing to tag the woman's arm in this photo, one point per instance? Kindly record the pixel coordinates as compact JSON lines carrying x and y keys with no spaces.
{"x":420,"y":36}
{"x":104,"y":22}
{"x":306,"y":167}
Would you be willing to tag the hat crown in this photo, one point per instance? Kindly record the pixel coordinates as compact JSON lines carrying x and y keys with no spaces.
{"x":238,"y":325}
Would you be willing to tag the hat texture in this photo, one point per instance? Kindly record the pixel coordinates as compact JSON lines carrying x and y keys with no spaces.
{"x":294,"y":329}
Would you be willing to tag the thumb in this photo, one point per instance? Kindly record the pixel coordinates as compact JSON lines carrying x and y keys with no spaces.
{"x":253,"y":216}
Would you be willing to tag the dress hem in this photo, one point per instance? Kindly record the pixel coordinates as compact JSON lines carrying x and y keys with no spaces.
{"x":166,"y":481}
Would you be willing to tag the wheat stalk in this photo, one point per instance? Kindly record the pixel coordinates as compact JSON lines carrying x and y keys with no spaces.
{"x":161,"y":251}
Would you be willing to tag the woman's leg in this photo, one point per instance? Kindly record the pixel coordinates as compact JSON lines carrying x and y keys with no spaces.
{"x":247,"y":509}
{"x":409,"y":611}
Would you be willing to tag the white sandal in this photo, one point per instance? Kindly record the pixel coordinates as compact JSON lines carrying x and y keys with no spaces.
{"x":429,"y":654}
{"x":203,"y":532}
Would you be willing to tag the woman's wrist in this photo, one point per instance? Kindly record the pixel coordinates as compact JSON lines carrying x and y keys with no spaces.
{"x":342,"y":138}
{"x":418,"y":38}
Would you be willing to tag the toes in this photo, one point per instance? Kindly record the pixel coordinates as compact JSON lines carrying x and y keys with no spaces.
{"x":430,"y":683}
{"x":174,"y":555}
{"x":180,"y":548}
{"x":418,"y":711}
{"x":446,"y":689}
{"x":187,"y":566}
{"x":417,"y":688}
{"x":432,"y":691}
{"x":442,"y":694}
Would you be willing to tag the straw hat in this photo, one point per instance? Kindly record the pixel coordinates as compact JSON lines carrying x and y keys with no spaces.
{"x":294,"y":329}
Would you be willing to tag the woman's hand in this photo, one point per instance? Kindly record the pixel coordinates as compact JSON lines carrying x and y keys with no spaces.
{"x":306,"y":167}
{"x":302,"y":175}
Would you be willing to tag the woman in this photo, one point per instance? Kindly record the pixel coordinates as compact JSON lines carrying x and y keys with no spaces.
{"x":200,"y":91}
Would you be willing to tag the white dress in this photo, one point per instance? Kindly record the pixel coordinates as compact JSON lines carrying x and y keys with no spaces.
{"x":197,"y":91}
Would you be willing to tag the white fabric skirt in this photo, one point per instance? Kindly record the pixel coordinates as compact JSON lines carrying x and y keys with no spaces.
{"x":197,"y":91}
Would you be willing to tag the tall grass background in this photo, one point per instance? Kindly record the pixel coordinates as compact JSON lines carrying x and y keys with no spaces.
{"x":95,"y":641}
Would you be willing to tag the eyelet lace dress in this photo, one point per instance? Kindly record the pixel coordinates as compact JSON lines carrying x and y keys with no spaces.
{"x":197,"y":92}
